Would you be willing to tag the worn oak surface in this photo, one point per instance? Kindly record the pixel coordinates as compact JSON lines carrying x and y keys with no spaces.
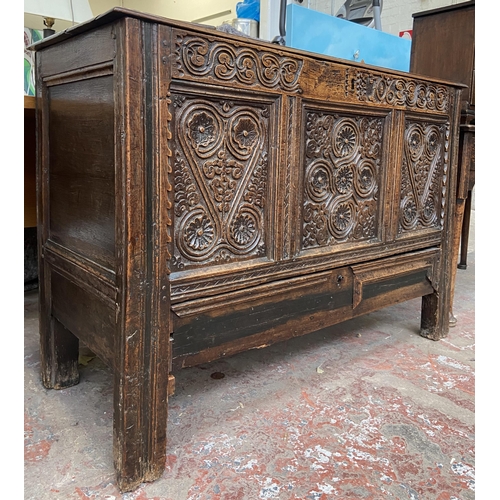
{"x":201,"y":194}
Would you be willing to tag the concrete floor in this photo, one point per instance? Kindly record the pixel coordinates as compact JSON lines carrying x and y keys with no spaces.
{"x":366,"y":410}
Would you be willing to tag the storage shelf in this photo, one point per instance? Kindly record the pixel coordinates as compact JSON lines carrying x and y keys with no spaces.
{"x":29,"y":102}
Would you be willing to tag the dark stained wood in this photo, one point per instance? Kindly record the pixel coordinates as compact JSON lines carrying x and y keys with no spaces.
{"x":374,"y":278}
{"x":430,"y":317}
{"x":208,"y":332}
{"x":201,"y":194}
{"x":29,"y":165}
{"x":60,"y":366}
{"x":464,"y":237}
{"x":85,"y":314}
{"x":207,"y":324}
{"x":78,"y":53}
{"x":133,"y":274}
{"x":82,"y":197}
{"x":142,"y":329}
{"x":468,"y":158}
{"x":466,"y":165}
{"x":443,"y":45}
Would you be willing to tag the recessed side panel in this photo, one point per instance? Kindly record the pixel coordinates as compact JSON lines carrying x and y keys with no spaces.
{"x":82,"y":170}
{"x":85,"y":313}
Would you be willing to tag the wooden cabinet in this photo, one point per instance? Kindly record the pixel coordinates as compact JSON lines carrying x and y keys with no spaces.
{"x":443,"y":46}
{"x":30,"y":232}
{"x":29,"y":162}
{"x":202,"y":194}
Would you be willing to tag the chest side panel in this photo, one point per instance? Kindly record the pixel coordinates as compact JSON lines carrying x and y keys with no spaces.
{"x":82,"y":182}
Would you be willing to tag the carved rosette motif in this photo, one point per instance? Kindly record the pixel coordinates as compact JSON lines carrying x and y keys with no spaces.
{"x":342,"y":178}
{"x":384,"y":89}
{"x":218,"y":60}
{"x":220,"y":174}
{"x":423,"y":183}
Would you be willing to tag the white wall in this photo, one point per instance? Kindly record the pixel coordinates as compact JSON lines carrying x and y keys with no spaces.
{"x":396,"y":14}
{"x":184,"y":10}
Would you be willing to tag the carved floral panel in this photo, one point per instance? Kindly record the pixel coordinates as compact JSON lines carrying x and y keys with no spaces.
{"x":342,"y":178}
{"x":220,"y":181}
{"x":423,"y":183}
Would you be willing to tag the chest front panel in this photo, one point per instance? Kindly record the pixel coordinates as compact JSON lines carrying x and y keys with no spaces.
{"x":222,"y":176}
{"x":342,"y":175}
{"x":423,"y":177}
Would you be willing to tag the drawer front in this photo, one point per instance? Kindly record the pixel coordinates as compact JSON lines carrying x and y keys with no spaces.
{"x":208,"y":328}
{"x":396,"y":279}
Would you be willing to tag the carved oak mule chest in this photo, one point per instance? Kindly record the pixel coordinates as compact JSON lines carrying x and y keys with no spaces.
{"x":200,"y":194}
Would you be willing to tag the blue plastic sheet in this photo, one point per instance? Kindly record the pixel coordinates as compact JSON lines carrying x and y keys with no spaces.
{"x":314,"y":31}
{"x":248,"y":9}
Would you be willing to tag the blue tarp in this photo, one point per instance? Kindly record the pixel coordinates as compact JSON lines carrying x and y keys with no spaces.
{"x":314,"y":31}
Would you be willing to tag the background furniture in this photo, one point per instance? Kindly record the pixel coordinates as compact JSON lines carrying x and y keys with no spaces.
{"x":468,"y":131}
{"x":30,"y":233}
{"x":29,"y":162}
{"x":443,"y":46}
{"x":201,"y":194}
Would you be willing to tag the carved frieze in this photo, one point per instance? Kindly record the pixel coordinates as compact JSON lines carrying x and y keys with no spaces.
{"x":221,"y":179}
{"x":215,"y":59}
{"x":381,"y":88}
{"x":342,"y":178}
{"x":423,"y":179}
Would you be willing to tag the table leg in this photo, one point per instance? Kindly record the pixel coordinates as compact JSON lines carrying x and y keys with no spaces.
{"x":465,"y":232}
{"x":457,"y":229}
{"x":433,"y":324}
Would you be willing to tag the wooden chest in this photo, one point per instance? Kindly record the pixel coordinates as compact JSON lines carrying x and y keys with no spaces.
{"x":200,"y":194}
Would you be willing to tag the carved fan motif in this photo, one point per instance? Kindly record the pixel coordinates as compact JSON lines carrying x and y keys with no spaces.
{"x":220,"y":173}
{"x":422,"y":190}
{"x":342,"y":177}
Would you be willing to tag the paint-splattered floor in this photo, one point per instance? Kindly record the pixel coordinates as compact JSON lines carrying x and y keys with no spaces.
{"x":364,"y":410}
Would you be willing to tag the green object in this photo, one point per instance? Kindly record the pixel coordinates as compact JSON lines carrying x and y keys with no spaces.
{"x":31,"y":36}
